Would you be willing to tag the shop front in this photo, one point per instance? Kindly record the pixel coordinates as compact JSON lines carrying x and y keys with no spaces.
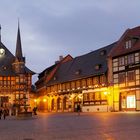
{"x":127,"y":101}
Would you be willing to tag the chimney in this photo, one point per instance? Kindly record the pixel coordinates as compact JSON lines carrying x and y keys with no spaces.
{"x":56,"y":62}
{"x":60,"y":57}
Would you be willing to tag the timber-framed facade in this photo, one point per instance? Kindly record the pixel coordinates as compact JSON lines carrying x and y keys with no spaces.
{"x":107,"y":79}
{"x":15,"y":78}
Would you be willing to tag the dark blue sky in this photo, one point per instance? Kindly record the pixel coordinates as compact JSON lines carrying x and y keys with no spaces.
{"x":50,"y":28}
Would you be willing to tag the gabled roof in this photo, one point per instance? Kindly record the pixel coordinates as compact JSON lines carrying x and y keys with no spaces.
{"x":83,"y":66}
{"x":49,"y":69}
{"x":6,"y":62}
{"x":49,"y":72}
{"x":130,"y":34}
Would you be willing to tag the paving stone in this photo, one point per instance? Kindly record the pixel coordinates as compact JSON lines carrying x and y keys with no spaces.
{"x":70,"y":126}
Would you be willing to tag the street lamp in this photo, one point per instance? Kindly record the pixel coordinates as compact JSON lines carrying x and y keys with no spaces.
{"x":44,"y":100}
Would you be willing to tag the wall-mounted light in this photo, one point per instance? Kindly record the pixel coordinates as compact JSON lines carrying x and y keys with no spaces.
{"x":44,"y":100}
{"x":35,"y":100}
{"x":105,"y":93}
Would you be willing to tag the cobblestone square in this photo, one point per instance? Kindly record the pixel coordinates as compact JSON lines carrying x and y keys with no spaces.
{"x":70,"y":126}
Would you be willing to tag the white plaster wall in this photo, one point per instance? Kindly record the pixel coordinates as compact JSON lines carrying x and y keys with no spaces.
{"x":101,"y":108}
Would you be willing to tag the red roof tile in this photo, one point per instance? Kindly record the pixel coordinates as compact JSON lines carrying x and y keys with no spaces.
{"x":130,"y":34}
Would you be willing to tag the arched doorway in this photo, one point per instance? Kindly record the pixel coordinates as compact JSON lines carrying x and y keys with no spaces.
{"x":65,"y":103}
{"x":77,"y":100}
{"x":59,"y":104}
{"x":52,"y":105}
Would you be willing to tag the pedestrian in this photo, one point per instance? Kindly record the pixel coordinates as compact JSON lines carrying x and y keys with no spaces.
{"x":78,"y":109}
{"x":4,"y":114}
{"x":0,"y":113}
{"x":34,"y":110}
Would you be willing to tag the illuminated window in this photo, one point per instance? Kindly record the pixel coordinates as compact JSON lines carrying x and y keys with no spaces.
{"x":17,"y":79}
{"x":55,"y":87}
{"x":115,"y":78}
{"x":67,"y":85}
{"x":96,"y":80}
{"x":121,"y":77}
{"x":17,"y":96}
{"x":121,"y":61}
{"x":78,"y":83}
{"x":84,"y":82}
{"x":86,"y":97}
{"x":89,"y":81}
{"x":128,"y":44}
{"x":64,"y":86}
{"x":73,"y":84}
{"x":115,"y":64}
{"x":130,"y":59}
{"x":97,"y":96}
{"x":92,"y":96}
{"x":102,"y":79}
{"x":97,"y":67}
{"x":78,"y":72}
{"x":59,"y":87}
{"x":131,"y":76}
{"x":137,"y":58}
{"x":131,"y":101}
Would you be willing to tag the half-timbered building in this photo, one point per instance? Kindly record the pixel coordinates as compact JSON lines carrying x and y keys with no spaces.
{"x":82,"y":80}
{"x":15,"y":77}
{"x":125,"y":69}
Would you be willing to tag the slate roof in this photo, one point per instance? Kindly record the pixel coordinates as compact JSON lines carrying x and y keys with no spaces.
{"x":82,"y":66}
{"x":6,"y":63}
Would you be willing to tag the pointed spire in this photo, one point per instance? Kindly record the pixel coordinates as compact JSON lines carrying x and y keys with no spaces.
{"x":18,"y":54}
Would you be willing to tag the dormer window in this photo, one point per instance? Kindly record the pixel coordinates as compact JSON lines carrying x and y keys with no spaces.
{"x":78,"y":72}
{"x":128,"y":44}
{"x":103,"y":52}
{"x":4,"y":67}
{"x":97,"y":67}
{"x":54,"y":78}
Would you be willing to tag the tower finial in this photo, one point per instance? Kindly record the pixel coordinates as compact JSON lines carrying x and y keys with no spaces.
{"x":18,"y":23}
{"x":18,"y":45}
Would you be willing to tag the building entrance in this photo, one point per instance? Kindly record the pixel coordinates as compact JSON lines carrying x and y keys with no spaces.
{"x":131,"y":101}
{"x":127,"y":101}
{"x":4,"y":101}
